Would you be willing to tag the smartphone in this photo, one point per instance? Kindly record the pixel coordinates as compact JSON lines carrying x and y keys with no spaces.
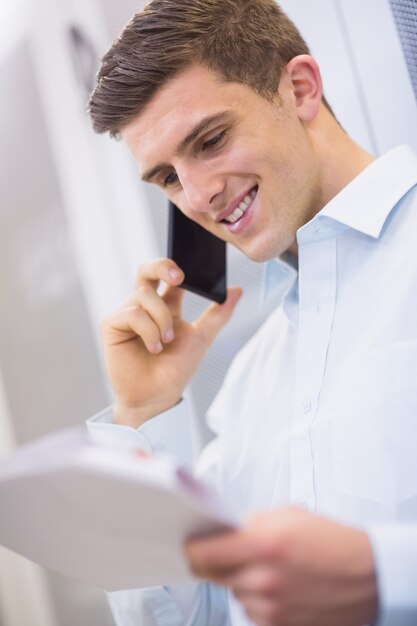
{"x":200,"y":255}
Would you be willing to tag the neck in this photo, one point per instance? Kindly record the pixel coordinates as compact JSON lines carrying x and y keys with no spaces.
{"x":341,"y":158}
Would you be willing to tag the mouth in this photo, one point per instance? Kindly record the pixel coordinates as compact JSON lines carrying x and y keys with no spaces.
{"x":234,"y":216}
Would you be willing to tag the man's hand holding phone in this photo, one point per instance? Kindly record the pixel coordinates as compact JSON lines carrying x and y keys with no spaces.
{"x":151,"y":353}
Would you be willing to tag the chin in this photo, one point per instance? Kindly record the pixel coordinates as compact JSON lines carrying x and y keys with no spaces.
{"x":260,"y":257}
{"x":266,"y":251}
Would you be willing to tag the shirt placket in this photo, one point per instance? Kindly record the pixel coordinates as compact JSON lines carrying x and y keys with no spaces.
{"x":317,"y":300}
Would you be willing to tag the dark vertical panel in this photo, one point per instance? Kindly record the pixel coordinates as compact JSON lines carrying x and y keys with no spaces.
{"x":405,"y":16}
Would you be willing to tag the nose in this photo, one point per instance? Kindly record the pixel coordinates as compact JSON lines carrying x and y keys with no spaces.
{"x":202,"y":187}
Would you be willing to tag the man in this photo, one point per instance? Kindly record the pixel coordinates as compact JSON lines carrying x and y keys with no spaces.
{"x":222,"y":106}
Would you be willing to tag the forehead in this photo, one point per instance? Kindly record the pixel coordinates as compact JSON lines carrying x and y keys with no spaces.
{"x":177,"y":107}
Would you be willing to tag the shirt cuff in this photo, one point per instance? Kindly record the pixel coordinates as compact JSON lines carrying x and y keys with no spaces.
{"x":169,"y":432}
{"x":149,"y":607}
{"x":395,"y":553}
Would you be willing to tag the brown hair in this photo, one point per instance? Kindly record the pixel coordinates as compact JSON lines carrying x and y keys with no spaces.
{"x":244,"y":41}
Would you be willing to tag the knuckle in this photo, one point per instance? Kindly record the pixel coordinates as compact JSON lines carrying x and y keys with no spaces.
{"x":167,"y":263}
{"x":138,"y":320}
{"x":150,"y":339}
{"x":163,"y":265}
{"x":148,"y":270}
{"x":149,"y":327}
{"x":144,"y":291}
{"x":165,"y":317}
{"x":269,"y":547}
{"x":267,"y":584}
{"x":141,"y":272}
{"x":106,"y":324}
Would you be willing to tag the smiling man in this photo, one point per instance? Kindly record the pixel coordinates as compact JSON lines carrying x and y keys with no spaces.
{"x":222,"y":106}
{"x":208,"y":144}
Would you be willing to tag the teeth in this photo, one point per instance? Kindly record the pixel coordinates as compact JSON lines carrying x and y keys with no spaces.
{"x":237,"y":213}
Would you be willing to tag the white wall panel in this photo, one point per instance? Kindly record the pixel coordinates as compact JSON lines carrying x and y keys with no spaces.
{"x":321,"y":27}
{"x":384,"y":81}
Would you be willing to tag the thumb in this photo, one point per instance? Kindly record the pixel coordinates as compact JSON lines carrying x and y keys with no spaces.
{"x":216,"y":315}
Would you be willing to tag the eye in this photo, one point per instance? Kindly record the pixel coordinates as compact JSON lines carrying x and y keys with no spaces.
{"x":170,"y":179}
{"x":213,"y":141}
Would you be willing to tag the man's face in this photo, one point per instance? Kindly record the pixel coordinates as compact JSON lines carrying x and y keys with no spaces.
{"x":241,"y":166}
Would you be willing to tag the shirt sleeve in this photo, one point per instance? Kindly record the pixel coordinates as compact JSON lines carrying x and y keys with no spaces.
{"x":395,"y":552}
{"x":194,"y":604}
{"x":168,"y":432}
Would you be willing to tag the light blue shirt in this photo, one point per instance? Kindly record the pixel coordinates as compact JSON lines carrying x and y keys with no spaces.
{"x":319,"y":409}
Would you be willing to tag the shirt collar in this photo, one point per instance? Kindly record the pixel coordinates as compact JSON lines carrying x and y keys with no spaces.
{"x":278,"y":277}
{"x":366,"y":202}
{"x":364,"y":205}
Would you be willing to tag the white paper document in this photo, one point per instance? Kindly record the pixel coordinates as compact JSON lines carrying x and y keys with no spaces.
{"x":103,"y":515}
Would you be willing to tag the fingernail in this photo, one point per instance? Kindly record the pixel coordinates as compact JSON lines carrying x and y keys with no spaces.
{"x":142,"y":454}
{"x":169,"y":335}
{"x":158,"y":347}
{"x":174,"y":274}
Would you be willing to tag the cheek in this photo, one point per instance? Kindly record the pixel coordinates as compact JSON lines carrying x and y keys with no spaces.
{"x":243,"y":159}
{"x":259,"y":160}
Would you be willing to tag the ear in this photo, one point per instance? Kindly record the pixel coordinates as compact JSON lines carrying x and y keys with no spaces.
{"x":304,"y":79}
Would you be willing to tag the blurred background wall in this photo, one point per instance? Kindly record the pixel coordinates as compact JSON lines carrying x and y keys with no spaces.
{"x":75,"y":222}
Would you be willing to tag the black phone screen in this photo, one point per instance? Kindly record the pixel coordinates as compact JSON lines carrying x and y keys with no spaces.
{"x":200,"y":255}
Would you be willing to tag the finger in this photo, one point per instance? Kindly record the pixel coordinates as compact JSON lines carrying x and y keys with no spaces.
{"x":259,"y":579}
{"x":216,"y":315}
{"x":174,"y":298}
{"x":147,"y":298}
{"x":144,"y":455}
{"x":129,"y":323}
{"x":263,"y":611}
{"x":159,"y":270}
{"x":220,"y":556}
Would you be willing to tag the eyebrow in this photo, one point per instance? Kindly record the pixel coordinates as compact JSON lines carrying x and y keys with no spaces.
{"x":184,"y":143}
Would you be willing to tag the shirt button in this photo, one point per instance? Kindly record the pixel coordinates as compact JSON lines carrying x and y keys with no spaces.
{"x":306,"y":406}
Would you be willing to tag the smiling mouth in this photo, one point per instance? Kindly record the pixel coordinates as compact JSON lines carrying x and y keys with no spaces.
{"x":242,"y":208}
